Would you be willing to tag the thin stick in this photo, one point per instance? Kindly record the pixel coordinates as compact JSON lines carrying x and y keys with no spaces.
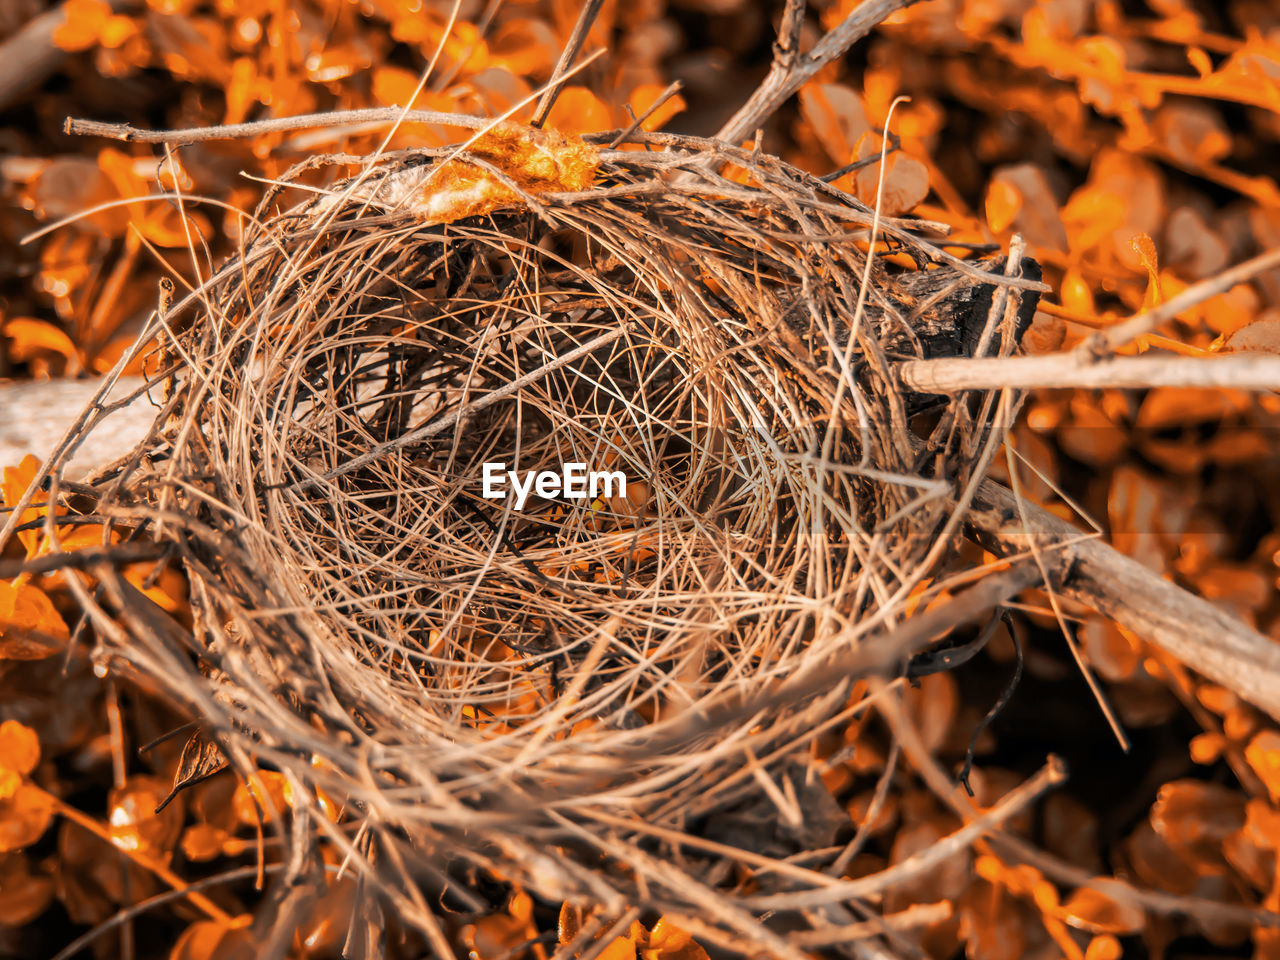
{"x":586,"y":17}
{"x":1148,"y":322}
{"x":790,"y":71}
{"x":920,"y":915}
{"x":1053,"y":773}
{"x":863,"y":657}
{"x":234,"y":131}
{"x":667,"y":94}
{"x":1198,"y":633}
{"x":475,"y":406}
{"x":1074,"y":370}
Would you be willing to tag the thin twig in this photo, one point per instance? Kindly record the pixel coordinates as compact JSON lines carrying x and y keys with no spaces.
{"x":1053,"y":773}
{"x":791,"y":72}
{"x":235,"y":131}
{"x":581,"y":29}
{"x":1135,"y":327}
{"x":1200,"y":634}
{"x":1073,"y":370}
{"x":672,"y":89}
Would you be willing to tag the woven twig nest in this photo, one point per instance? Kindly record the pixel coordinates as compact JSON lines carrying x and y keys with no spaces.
{"x":518,"y":691}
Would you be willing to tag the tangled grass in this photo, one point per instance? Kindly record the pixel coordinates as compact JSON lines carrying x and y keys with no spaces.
{"x":533,"y":694}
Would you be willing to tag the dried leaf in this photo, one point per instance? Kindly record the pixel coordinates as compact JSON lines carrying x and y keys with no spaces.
{"x":23,"y":895}
{"x":24,"y":817}
{"x":201,"y":759}
{"x":1263,"y":754}
{"x":1103,"y":906}
{"x":1261,"y":336}
{"x":19,"y":754}
{"x":906,"y":179}
{"x":212,"y":940}
{"x":536,"y":162}
{"x":30,"y":626}
{"x":835,"y":114}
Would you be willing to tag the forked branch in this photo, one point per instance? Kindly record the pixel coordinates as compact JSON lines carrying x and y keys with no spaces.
{"x":791,"y":69}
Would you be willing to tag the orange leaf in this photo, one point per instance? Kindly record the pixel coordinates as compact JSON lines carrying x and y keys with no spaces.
{"x":19,"y":754}
{"x":1263,"y":754}
{"x":1104,"y":947}
{"x":133,"y":821}
{"x":1103,"y":906}
{"x":82,"y":22}
{"x":24,"y":817}
{"x":669,"y":942}
{"x":906,"y":179}
{"x":211,"y":940}
{"x":14,"y":487}
{"x":526,"y":46}
{"x":23,"y":895}
{"x":30,"y":336}
{"x":835,"y":114}
{"x":577,"y":110}
{"x":1145,"y":248}
{"x":203,"y":841}
{"x":30,"y":626}
{"x":1003,"y":203}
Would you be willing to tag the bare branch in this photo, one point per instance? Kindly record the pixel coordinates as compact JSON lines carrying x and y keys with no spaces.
{"x":586,"y":17}
{"x":236,"y":131}
{"x":790,"y":71}
{"x":1252,"y":371}
{"x":1200,"y":634}
{"x":1145,"y":323}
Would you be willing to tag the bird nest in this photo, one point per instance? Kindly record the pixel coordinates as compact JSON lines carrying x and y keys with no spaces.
{"x":536,"y":692}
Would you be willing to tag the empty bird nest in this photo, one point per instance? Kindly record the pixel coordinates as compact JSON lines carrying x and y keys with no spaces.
{"x":572,"y":696}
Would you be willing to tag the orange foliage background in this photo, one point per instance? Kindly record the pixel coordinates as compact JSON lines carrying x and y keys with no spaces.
{"x":1133,"y":144}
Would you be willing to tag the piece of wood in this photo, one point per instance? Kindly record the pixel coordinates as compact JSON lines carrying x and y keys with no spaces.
{"x":1072,"y":369}
{"x":35,"y":414}
{"x":1200,"y":634}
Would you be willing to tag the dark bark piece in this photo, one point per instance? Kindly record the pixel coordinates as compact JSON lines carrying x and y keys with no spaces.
{"x":953,"y":308}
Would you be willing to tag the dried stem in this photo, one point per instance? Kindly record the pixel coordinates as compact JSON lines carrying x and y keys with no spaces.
{"x":1130,"y":330}
{"x":791,"y":70}
{"x":1067,"y":370}
{"x":1198,"y":633}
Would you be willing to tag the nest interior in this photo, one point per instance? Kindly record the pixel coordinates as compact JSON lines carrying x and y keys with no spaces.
{"x":497,"y":687}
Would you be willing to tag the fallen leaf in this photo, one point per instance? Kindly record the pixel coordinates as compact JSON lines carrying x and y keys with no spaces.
{"x":19,"y":754}
{"x":1263,"y":754}
{"x":213,"y":940}
{"x":24,"y":817}
{"x":30,"y":626}
{"x":23,"y":895}
{"x":906,"y":179}
{"x":1103,"y":906}
{"x":835,"y":114}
